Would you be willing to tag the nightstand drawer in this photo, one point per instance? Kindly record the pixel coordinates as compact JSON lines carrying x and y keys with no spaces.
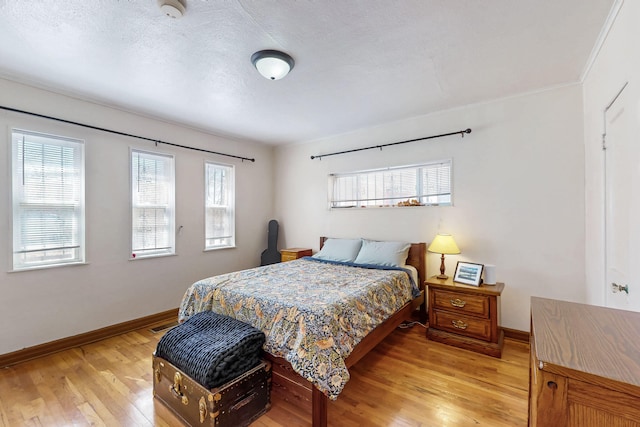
{"x":462,"y":325}
{"x":476,"y":305}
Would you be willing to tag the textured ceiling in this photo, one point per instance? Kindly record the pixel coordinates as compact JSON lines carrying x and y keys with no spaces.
{"x":359,"y":63}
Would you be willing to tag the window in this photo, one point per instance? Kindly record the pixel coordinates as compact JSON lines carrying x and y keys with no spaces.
{"x":418,"y":185}
{"x":48,"y":200}
{"x":219,"y":206}
{"x":153,"y":204}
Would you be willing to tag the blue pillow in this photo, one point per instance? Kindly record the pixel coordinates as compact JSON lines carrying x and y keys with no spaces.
{"x":344,"y":250}
{"x":386,"y":254}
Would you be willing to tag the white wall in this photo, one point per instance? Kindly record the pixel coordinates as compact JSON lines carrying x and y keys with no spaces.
{"x":519,"y":195}
{"x":617,"y":62}
{"x":518,"y":192}
{"x":45,"y":305}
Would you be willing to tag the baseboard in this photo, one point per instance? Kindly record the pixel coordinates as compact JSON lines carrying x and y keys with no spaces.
{"x":515,"y":334}
{"x":40,"y":350}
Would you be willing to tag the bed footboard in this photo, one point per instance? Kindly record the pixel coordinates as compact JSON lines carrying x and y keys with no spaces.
{"x":290,"y":386}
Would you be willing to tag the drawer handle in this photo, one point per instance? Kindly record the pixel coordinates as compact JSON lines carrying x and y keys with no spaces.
{"x":458,"y":302}
{"x":459,"y":324}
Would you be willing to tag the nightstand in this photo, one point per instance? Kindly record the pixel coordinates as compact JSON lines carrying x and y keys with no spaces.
{"x":465,"y":316}
{"x":294,"y":253}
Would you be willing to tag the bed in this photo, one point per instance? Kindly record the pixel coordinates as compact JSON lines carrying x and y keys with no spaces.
{"x":320,"y":316}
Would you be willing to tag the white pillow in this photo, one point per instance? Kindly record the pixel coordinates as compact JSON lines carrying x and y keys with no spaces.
{"x":386,"y":254}
{"x":344,"y":250}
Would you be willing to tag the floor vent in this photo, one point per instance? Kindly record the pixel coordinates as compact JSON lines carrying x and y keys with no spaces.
{"x":161,"y":328}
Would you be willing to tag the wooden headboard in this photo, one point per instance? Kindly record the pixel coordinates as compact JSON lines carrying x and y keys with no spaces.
{"x":416,"y":258}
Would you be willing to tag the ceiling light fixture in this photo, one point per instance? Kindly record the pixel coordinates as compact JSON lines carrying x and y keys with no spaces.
{"x":272,"y":64}
{"x":172,"y":8}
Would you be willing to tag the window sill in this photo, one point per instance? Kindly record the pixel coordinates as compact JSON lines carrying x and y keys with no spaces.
{"x":46,"y":267}
{"x":217,"y":248}
{"x":347,"y":208}
{"x":137,"y":258}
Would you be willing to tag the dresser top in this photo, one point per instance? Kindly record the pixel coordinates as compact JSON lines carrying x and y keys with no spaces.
{"x":587,"y":342}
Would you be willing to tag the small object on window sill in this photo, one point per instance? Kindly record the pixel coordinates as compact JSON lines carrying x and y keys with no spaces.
{"x":410,"y":202}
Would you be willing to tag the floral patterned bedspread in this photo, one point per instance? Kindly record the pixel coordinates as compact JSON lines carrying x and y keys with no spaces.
{"x":313,"y":313}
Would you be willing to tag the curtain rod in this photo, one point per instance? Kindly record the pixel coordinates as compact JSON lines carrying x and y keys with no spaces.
{"x":461,"y":132}
{"x":157,"y":141}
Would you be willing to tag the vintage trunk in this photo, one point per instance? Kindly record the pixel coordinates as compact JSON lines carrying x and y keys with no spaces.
{"x":237,"y":403}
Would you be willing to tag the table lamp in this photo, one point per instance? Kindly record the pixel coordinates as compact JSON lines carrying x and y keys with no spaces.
{"x":443,"y":244}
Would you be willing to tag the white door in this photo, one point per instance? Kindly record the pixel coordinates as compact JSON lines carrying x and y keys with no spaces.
{"x":622,"y":198}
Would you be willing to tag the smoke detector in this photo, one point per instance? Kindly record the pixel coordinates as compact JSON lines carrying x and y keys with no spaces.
{"x":172,"y":8}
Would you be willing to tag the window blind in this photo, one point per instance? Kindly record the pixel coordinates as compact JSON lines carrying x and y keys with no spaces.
{"x":219,"y":206}
{"x":425,"y":184}
{"x":153,"y":204}
{"x":48,"y":199}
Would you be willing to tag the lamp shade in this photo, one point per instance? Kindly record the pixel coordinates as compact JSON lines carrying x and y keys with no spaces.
{"x":444,"y":244}
{"x":272,"y":64}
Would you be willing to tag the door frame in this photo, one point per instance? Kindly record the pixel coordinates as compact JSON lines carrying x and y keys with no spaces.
{"x":606,"y":287}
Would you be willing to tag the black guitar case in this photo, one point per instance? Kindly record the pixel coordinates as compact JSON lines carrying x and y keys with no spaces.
{"x":271,"y":254}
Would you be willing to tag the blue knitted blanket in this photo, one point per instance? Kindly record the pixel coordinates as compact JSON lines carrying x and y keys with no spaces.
{"x":212,"y":348}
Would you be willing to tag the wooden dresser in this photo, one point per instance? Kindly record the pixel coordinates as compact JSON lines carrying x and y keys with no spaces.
{"x":465,"y":316}
{"x":585,"y":365}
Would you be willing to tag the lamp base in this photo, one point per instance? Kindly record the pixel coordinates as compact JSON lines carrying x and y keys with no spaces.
{"x":442,"y":276}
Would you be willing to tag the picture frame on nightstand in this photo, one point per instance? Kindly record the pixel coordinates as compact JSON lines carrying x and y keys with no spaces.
{"x":468,"y":273}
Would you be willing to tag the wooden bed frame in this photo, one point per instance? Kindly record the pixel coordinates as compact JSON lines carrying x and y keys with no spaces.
{"x":293,"y":388}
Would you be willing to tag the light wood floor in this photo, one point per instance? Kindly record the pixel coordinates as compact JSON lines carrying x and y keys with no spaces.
{"x":405,"y":381}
